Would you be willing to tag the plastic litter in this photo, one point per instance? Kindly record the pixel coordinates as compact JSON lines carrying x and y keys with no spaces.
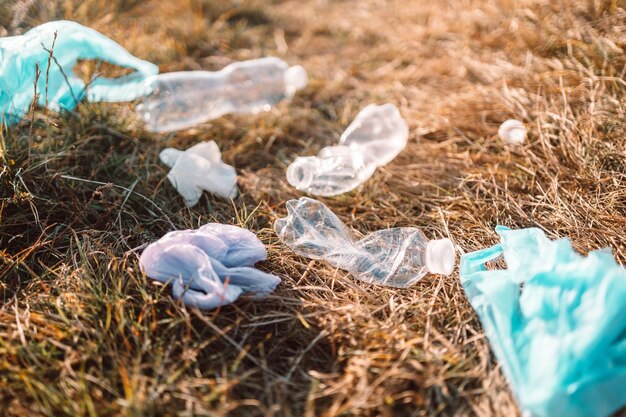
{"x":512,"y":132}
{"x":180,"y":100}
{"x":209,"y":267}
{"x":375,"y":137}
{"x":20,"y":56}
{"x":397,"y":257}
{"x":556,"y":321}
{"x":200,"y":168}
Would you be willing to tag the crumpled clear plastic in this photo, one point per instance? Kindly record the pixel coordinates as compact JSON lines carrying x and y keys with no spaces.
{"x":556,"y":321}
{"x":180,"y":100}
{"x":200,"y":168}
{"x":209,"y":267}
{"x":397,"y":257}
{"x":375,"y":137}
{"x":20,"y":55}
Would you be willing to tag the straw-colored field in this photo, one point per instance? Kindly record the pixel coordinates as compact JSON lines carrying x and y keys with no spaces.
{"x":83,"y":332}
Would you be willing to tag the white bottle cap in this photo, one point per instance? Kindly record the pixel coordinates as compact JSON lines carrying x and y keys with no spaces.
{"x":296,"y":78}
{"x":440,"y":256}
{"x":512,"y":132}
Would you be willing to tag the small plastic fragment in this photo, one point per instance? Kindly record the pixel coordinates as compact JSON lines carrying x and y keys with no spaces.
{"x":397,"y":257}
{"x":209,"y":267}
{"x":200,"y":168}
{"x":512,"y":132}
{"x":556,"y":321}
{"x":180,"y":100}
{"x":57,"y":85}
{"x":375,"y":137}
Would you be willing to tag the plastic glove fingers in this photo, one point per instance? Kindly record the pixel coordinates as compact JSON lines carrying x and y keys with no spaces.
{"x":208,"y":150}
{"x":204,"y":300}
{"x":248,"y":279}
{"x":245,"y":256}
{"x":169,"y":156}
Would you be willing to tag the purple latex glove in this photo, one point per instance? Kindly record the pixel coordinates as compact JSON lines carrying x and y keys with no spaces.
{"x":209,"y":267}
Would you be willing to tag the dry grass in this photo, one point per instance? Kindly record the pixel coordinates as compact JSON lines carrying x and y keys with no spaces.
{"x":82,"y":332}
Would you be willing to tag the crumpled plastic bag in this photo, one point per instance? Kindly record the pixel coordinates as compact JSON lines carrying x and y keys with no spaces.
{"x":209,"y":267}
{"x":19,"y":56}
{"x":556,"y":321}
{"x":200,"y":168}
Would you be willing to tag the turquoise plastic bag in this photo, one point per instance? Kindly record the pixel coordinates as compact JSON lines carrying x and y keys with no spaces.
{"x":19,"y":56}
{"x":556,"y":322}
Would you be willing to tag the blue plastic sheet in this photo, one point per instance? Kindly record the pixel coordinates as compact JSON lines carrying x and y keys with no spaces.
{"x":21,"y":55}
{"x":556,"y":322}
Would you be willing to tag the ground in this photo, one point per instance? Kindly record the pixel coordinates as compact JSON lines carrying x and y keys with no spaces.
{"x":83,"y":332}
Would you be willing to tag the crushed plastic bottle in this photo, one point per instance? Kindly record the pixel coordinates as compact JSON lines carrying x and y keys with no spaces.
{"x":512,"y":132}
{"x":209,"y":267}
{"x":180,"y":100}
{"x":200,"y":168}
{"x":397,"y":257}
{"x":58,"y":86}
{"x":375,"y":137}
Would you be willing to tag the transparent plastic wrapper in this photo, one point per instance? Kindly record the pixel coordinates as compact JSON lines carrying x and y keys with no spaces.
{"x":180,"y":100}
{"x":512,"y":132}
{"x":200,"y":168}
{"x":209,"y":267}
{"x":397,"y":257}
{"x":556,"y":321}
{"x":58,"y":86}
{"x":375,"y":137}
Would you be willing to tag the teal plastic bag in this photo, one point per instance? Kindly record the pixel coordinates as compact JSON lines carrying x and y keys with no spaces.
{"x":19,"y":56}
{"x":556,"y":322}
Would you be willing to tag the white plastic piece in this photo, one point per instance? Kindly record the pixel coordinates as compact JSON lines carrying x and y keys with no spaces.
{"x":512,"y":132}
{"x":440,"y":256}
{"x":296,"y":79}
{"x":375,"y":137}
{"x":209,"y":267}
{"x":200,"y":168}
{"x":180,"y":100}
{"x":397,"y":257}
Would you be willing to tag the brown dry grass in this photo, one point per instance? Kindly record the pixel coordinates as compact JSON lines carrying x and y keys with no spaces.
{"x":82,"y":332}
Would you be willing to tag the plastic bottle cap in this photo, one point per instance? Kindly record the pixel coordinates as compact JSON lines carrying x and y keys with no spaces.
{"x":440,"y":256}
{"x":512,"y":132}
{"x":296,"y":78}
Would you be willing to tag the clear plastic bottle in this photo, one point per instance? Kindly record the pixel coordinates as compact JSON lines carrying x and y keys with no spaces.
{"x":179,"y":100}
{"x":397,"y":257}
{"x":375,"y":137}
